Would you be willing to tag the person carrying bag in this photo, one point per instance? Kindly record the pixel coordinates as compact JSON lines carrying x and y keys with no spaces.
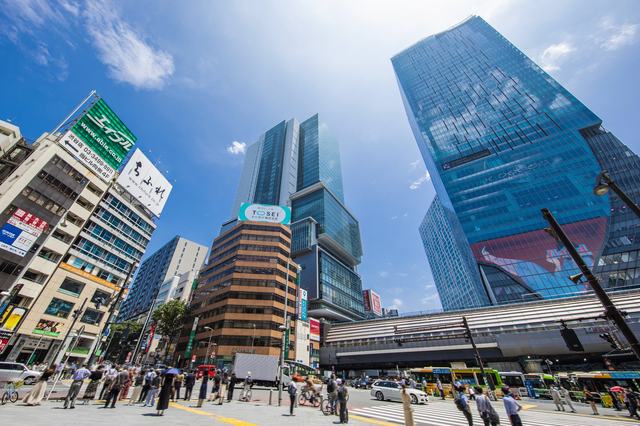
{"x":488,"y":414}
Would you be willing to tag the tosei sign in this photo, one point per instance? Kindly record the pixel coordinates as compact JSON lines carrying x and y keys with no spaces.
{"x":100,"y":140}
{"x":263,"y":213}
{"x":146,"y":183}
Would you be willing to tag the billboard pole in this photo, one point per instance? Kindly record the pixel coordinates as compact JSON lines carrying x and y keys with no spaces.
{"x":93,"y":92}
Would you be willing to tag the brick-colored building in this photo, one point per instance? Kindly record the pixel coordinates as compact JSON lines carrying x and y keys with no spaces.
{"x":239,"y":295}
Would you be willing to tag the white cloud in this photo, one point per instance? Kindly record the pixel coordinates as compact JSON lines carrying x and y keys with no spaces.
{"x":237,"y":148}
{"x":395,"y":217}
{"x":428,"y":286}
{"x":402,"y":274}
{"x":384,"y":274}
{"x":416,"y":184}
{"x":428,"y":298}
{"x":414,"y":164}
{"x":618,"y":35}
{"x":556,"y":53}
{"x":396,"y":304}
{"x":128,"y":57}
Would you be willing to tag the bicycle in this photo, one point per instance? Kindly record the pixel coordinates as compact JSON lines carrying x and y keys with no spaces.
{"x":245,"y":394}
{"x":311,"y":396}
{"x":330,"y":405}
{"x":10,"y":393}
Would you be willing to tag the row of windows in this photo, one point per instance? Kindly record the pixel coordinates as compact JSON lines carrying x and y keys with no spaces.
{"x":62,"y":309}
{"x":112,"y":241}
{"x":244,"y":296}
{"x":98,"y":253}
{"x":67,"y":169}
{"x":129,"y":214}
{"x":43,"y":201}
{"x":249,"y":247}
{"x":119,"y":225}
{"x":244,"y":283}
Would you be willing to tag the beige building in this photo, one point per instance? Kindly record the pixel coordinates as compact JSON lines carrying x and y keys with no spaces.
{"x":95,"y":235}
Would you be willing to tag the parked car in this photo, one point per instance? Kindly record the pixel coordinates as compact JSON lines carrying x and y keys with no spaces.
{"x":361,"y":383}
{"x":390,"y":390}
{"x":15,"y":372}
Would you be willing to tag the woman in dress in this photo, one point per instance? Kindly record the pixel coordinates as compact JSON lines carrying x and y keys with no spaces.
{"x":92,"y":387}
{"x":588,"y":396}
{"x":126,"y":385}
{"x":406,"y":406}
{"x":137,"y":387}
{"x":165,"y":393}
{"x":203,"y":389}
{"x":37,"y":393}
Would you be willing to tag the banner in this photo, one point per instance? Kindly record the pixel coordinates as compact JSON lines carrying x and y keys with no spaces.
{"x":314,"y":330}
{"x":145,"y":182}
{"x":302,"y":304}
{"x":99,"y":140}
{"x":20,"y":232}
{"x":366,"y":297}
{"x":90,"y":276}
{"x":376,"y":306}
{"x":264,"y":213}
{"x":48,"y":328}
{"x":193,"y":335}
{"x":12,"y":317}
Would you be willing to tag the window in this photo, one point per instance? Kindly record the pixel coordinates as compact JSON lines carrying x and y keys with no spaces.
{"x":70,"y":287}
{"x":59,"y":308}
{"x":99,"y":294}
{"x":92,"y":317}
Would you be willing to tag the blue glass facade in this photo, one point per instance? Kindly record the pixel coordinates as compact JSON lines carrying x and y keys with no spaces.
{"x":319,"y":157}
{"x":268,"y":182}
{"x":339,"y":286}
{"x":333,"y":219}
{"x":502,"y":140}
{"x":453,"y":266}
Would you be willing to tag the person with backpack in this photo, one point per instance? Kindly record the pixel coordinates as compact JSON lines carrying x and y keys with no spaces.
{"x":462,"y":403}
{"x":332,"y":390}
{"x":343,"y":393}
{"x":511,"y":406}
{"x":292,"y":389}
{"x":485,"y":409}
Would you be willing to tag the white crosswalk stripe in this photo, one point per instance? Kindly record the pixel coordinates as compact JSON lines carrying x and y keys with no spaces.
{"x":448,"y":415}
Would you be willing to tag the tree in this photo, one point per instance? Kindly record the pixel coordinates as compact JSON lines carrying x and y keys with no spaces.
{"x":119,"y":348}
{"x":170,"y":318}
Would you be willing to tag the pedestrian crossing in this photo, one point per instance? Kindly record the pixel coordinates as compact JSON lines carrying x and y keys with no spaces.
{"x":448,"y":415}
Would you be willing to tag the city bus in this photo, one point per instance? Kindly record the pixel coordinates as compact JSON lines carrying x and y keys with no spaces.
{"x":448,"y":376}
{"x":541,"y":384}
{"x":298,"y":371}
{"x":597,"y":381}
{"x":513,"y":379}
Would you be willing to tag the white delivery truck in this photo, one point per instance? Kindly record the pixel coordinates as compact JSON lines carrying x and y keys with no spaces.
{"x":264,"y":369}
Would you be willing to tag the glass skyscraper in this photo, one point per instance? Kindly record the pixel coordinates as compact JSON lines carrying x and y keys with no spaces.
{"x":502,"y":140}
{"x":298,"y":165}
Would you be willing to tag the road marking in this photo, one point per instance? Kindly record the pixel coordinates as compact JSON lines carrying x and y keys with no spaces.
{"x":378,"y":422}
{"x":213,"y":416}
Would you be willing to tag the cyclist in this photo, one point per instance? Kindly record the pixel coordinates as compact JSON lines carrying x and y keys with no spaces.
{"x":332,"y":391}
{"x":310,"y":387}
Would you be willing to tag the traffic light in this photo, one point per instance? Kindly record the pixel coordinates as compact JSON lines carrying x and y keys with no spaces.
{"x":125,"y":334}
{"x":571,"y":340}
{"x":77,"y":312}
{"x":609,"y":337}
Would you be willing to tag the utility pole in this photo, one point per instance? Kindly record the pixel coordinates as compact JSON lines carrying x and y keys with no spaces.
{"x":476,"y":353}
{"x":610,"y":310}
{"x":283,"y":328}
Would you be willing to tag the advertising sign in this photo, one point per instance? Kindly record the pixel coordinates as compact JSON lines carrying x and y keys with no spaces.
{"x":99,"y":140}
{"x":286,"y":344}
{"x":48,"y":328}
{"x":367,"y":300}
{"x":9,"y":300}
{"x":12,"y":317}
{"x":530,"y":390}
{"x":90,"y":276}
{"x":193,"y":335}
{"x":314,"y":330}
{"x":146,"y":183}
{"x":20,"y":232}
{"x":540,"y":264}
{"x":263,"y":213}
{"x":376,"y":306}
{"x":302,"y":304}
{"x":5,"y":336}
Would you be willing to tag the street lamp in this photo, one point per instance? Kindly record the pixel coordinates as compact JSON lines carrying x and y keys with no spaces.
{"x":604,"y":183}
{"x":254,"y":337}
{"x":209,"y":344}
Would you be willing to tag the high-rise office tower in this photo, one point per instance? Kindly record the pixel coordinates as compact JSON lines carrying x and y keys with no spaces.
{"x":298,"y":165}
{"x":179,"y":256}
{"x":502,"y":140}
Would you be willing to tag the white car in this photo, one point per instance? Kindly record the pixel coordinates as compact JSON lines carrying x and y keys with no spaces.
{"x":390,"y":390}
{"x":15,"y":372}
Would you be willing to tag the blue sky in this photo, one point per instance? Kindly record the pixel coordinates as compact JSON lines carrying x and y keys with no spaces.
{"x":196,"y":80}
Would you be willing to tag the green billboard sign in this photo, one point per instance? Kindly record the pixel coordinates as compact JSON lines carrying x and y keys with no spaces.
{"x":99,"y":140}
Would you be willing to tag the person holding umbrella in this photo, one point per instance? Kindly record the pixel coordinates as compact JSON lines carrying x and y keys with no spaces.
{"x":166,"y":389}
{"x":612,"y":391}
